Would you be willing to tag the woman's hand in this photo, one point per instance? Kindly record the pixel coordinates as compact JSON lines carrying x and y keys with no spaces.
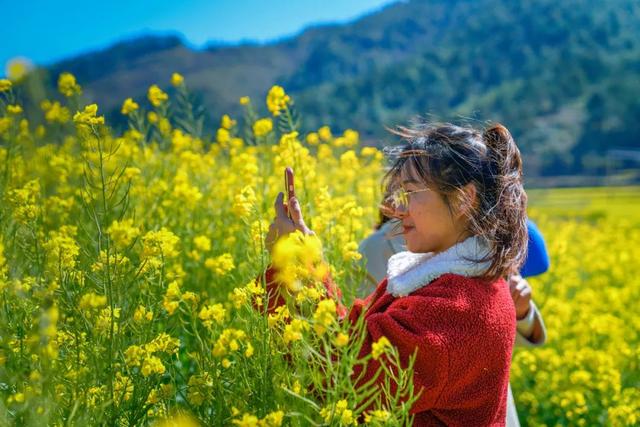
{"x":282,"y":224}
{"x":521,"y":295}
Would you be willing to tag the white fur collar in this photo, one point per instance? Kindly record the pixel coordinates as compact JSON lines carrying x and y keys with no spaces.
{"x":408,"y":271}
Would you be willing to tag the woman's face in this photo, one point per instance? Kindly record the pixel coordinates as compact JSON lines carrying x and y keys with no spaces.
{"x":428,"y":223}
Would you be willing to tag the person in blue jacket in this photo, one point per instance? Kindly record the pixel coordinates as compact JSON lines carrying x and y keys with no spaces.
{"x":531,"y":332}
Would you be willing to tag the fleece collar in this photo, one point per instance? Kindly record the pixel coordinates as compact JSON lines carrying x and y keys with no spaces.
{"x":408,"y":271}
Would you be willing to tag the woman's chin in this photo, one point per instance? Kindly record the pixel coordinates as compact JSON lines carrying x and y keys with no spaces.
{"x":413,"y":246}
{"x":416,"y":247}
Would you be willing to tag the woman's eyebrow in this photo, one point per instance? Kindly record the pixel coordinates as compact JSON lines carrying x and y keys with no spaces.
{"x":410,"y":181}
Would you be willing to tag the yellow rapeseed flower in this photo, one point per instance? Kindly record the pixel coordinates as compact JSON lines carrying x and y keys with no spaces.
{"x":14,"y":109}
{"x":212,"y":313}
{"x":341,"y":413}
{"x":164,"y":126}
{"x":142,"y":314}
{"x":288,"y":139}
{"x":325,"y":133}
{"x":92,"y":301}
{"x":277,"y":100}
{"x":5,"y":85}
{"x":298,"y":259}
{"x":247,"y":420}
{"x":24,"y":202}
{"x":227,"y":122}
{"x":245,"y":100}
{"x":55,"y":112}
{"x":341,"y":339}
{"x":248,"y":351}
{"x":164,"y":343}
{"x":202,"y":243}
{"x":243,"y":202}
{"x":5,"y":123}
{"x":152,"y":365}
{"x":377,"y":416}
{"x":369,"y":151}
{"x":262,"y":127}
{"x":123,"y":232}
{"x":293,"y":331}
{"x":17,"y":68}
{"x":223,"y":137}
{"x":227,"y":342}
{"x":129,"y":106}
{"x":324,"y":316}
{"x":313,"y":138}
{"x":177,"y":420}
{"x":62,"y":249}
{"x":156,"y":96}
{"x":160,"y":243}
{"x":350,"y":252}
{"x":351,"y":138}
{"x":172,"y":297}
{"x":273,"y":419}
{"x":88,"y":116}
{"x":68,"y":86}
{"x":379,"y":347}
{"x":220,"y":265}
{"x":177,"y":79}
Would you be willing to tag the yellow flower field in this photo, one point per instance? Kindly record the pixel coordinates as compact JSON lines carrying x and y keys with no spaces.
{"x":128,"y":266}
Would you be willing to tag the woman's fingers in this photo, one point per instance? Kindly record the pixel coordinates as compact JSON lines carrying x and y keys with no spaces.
{"x":281,"y":210}
{"x":296,"y":213}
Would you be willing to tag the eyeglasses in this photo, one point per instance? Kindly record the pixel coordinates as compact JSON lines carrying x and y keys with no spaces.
{"x":397,"y":200}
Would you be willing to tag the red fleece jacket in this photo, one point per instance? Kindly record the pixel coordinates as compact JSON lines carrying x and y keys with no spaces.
{"x":464,"y":330}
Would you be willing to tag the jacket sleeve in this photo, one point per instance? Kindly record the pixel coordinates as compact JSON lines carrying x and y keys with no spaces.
{"x":522,"y":341}
{"x":400,"y":325}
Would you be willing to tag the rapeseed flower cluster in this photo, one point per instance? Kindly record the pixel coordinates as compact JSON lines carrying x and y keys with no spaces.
{"x":156,"y":96}
{"x":160,"y":243}
{"x":324,"y":316}
{"x":379,"y":347}
{"x":298,"y":260}
{"x":277,"y":100}
{"x":24,"y":202}
{"x":54,"y":112}
{"x":262,"y":127}
{"x":146,"y":357}
{"x":129,"y":106}
{"x":88,"y":116}
{"x":220,"y":265}
{"x":339,"y":413}
{"x":68,"y":86}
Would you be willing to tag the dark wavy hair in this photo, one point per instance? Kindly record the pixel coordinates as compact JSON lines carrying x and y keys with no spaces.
{"x":447,"y":157}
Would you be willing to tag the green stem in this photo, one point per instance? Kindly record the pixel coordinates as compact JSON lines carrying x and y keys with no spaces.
{"x":109,"y":289}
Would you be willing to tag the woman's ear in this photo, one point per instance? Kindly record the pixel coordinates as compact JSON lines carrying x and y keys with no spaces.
{"x":467,"y":201}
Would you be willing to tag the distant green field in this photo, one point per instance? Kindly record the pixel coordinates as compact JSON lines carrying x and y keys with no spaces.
{"x":587,"y":203}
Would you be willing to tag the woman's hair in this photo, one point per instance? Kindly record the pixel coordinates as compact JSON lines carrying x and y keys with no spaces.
{"x":448,"y":157}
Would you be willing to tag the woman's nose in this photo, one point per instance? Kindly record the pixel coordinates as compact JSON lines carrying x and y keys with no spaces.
{"x":401,"y":211}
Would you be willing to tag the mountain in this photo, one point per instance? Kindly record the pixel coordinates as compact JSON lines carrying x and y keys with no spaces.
{"x":563,"y":76}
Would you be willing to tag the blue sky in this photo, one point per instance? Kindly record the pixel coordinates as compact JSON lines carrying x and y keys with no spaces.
{"x":45,"y":31}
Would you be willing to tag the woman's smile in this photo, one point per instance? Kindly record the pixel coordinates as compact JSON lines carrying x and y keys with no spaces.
{"x":407,"y":228}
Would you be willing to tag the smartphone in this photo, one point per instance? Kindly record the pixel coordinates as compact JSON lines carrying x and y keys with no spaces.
{"x":289,"y":188}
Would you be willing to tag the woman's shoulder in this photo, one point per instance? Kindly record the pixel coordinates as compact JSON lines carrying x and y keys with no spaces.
{"x":467,"y":294}
{"x":456,"y":283}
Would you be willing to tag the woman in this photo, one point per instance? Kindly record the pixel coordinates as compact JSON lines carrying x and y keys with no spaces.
{"x":530,"y":330}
